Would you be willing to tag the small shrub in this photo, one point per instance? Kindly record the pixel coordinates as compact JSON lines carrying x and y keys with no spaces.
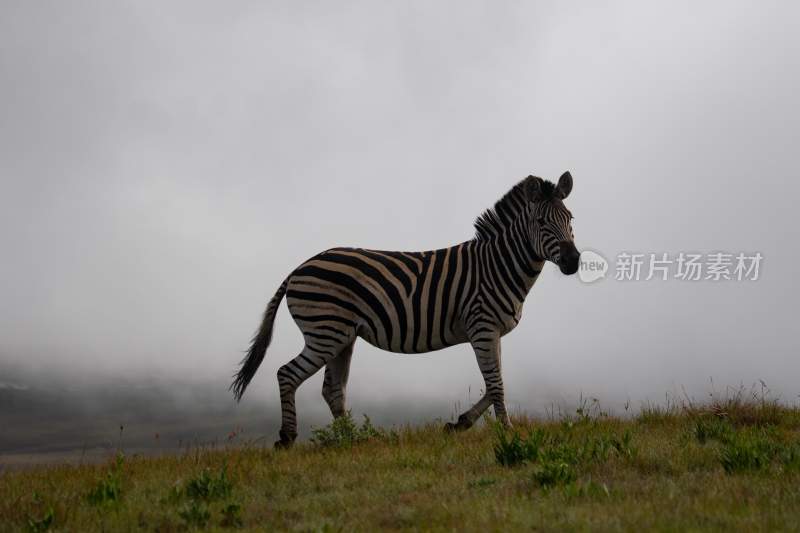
{"x":209,"y":487}
{"x":343,"y":432}
{"x":108,"y":490}
{"x":565,"y":452}
{"x":790,"y":457}
{"x":598,"y":449}
{"x":195,"y":514}
{"x":511,"y":449}
{"x":746,"y":452}
{"x":37,"y":525}
{"x":514,"y":450}
{"x":624,"y":446}
{"x":232,"y":515}
{"x":706,"y":428}
{"x":552,"y":473}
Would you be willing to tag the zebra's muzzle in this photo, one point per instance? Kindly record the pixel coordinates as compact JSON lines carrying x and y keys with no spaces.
{"x":569,"y":258}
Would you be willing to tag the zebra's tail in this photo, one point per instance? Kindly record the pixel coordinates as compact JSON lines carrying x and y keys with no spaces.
{"x":258,"y":346}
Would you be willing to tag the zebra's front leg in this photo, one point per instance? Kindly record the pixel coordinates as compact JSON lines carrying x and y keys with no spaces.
{"x":487,"y":352}
{"x":493,"y":378}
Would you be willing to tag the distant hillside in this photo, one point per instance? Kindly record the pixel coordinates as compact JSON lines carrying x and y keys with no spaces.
{"x":57,"y":419}
{"x":52,"y":418}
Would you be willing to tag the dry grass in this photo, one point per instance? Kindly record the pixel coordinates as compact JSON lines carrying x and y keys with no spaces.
{"x":585,"y":474}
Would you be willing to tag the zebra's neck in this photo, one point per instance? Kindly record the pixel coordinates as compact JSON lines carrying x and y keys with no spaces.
{"x":511,"y":266}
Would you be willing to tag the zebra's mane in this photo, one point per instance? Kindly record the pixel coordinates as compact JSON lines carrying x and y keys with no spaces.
{"x":495,"y":220}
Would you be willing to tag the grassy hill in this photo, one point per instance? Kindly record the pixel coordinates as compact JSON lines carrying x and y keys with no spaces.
{"x":728,"y":465}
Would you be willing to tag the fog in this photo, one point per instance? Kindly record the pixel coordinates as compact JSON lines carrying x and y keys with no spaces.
{"x":163,"y":167}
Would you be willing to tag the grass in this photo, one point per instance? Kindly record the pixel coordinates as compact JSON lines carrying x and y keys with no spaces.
{"x":345,"y":432}
{"x":733,"y":464}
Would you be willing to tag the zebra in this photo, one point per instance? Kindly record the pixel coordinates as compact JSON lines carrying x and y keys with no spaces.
{"x":417,"y":302}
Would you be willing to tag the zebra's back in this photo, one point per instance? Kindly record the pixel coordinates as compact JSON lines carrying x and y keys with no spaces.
{"x":404,"y":302}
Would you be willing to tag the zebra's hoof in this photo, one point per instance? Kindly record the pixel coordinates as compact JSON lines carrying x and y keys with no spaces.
{"x":283,"y":444}
{"x":287,"y":439}
{"x":458,"y":426}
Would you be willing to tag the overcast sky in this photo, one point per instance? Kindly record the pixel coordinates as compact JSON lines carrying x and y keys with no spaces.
{"x":164,"y":166}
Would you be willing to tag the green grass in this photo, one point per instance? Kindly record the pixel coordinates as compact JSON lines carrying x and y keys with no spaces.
{"x":713,"y":467}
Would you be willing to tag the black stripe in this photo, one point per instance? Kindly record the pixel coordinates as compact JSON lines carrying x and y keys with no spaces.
{"x":509,"y":274}
{"x":309,"y":361}
{"x":325,"y":352}
{"x":332,"y":330}
{"x":410,"y":263}
{"x":436,"y":276}
{"x":323,"y":318}
{"x":353,"y":285}
{"x":321,"y":337}
{"x":448,"y":284}
{"x":286,"y":369}
{"x":416,"y":304}
{"x":494,"y":286}
{"x":463,"y":257}
{"x":391,"y":266}
{"x":519,"y":250}
{"x":322,"y":297}
{"x":388,"y":287}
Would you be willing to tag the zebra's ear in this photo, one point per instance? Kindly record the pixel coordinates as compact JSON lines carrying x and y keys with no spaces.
{"x":564,"y":186}
{"x":533,"y":188}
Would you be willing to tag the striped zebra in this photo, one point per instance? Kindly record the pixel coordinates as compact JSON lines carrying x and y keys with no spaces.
{"x":416,"y":302}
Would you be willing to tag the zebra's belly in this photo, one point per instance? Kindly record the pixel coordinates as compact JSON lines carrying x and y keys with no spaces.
{"x":416,"y":344}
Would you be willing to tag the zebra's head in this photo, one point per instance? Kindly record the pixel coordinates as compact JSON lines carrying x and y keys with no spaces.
{"x":551,"y":223}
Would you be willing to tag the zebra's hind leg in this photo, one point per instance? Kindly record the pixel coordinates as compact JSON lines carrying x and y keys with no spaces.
{"x":335,"y":384}
{"x":291,"y":376}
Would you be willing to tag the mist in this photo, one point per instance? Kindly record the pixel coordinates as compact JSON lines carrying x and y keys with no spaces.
{"x":164,"y":167}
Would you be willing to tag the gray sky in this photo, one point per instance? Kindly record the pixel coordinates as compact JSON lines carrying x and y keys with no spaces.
{"x":163,"y":166}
